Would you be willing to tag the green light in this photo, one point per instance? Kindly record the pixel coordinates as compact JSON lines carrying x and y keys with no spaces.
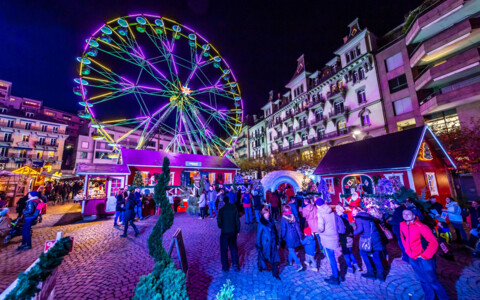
{"x":140,"y":29}
{"x":159,"y":30}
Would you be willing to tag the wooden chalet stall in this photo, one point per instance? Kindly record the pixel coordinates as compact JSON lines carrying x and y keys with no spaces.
{"x":101,"y":181}
{"x":185,"y":169}
{"x":415,"y":156}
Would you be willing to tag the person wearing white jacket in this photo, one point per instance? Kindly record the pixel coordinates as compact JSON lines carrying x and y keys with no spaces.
{"x":455,"y":216}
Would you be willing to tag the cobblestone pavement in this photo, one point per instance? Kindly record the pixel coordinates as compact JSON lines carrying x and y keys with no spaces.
{"x":105,"y":266}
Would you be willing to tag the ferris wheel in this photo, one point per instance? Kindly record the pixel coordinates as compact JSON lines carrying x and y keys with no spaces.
{"x":158,"y":77}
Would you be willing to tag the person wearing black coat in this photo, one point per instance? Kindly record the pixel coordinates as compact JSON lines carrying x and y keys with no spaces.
{"x":292,"y":236}
{"x":229,"y":223}
{"x":130,"y":215}
{"x":267,"y":243}
{"x":119,"y":209}
{"x":395,"y":221}
{"x":257,"y":204}
{"x":368,"y":231}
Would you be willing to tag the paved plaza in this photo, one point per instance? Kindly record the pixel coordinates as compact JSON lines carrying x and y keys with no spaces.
{"x":105,"y":266}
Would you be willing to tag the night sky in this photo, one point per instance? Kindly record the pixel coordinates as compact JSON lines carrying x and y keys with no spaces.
{"x":261,"y":40}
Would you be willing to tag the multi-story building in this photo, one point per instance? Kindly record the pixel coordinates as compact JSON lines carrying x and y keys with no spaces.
{"x":258,"y":139}
{"x":337,"y":104}
{"x":28,"y":137}
{"x":430,"y":68}
{"x":90,"y":149}
{"x":71,"y":122}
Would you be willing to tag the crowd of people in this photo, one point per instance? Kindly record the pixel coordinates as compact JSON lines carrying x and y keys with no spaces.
{"x":331,"y":232}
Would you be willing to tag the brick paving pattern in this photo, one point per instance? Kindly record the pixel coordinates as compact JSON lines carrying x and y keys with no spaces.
{"x":105,"y":266}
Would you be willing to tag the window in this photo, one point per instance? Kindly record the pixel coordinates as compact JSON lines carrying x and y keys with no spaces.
{"x":114,"y":186}
{"x":172,"y":178}
{"x":330,"y":185}
{"x":29,"y":115}
{"x":3,"y":110}
{"x":44,"y":128}
{"x":28,"y":126}
{"x":3,"y":151}
{"x":355,"y":77}
{"x":398,"y":83}
{"x":53,"y":142}
{"x":2,"y":166}
{"x":41,"y":141}
{"x":150,"y":144}
{"x":432,"y":183}
{"x":7,"y":137}
{"x":445,"y":121}
{"x":22,"y":153}
{"x":361,"y":73}
{"x":342,"y":127}
{"x":347,"y":57}
{"x":25,"y":138}
{"x":18,"y":165}
{"x":394,"y":62}
{"x":49,"y":113}
{"x":39,"y":154}
{"x":228,"y":178}
{"x":55,"y":129}
{"x":84,"y":155}
{"x":398,"y":176}
{"x":10,"y":123}
{"x":51,"y":154}
{"x":402,"y":106}
{"x":361,"y":96}
{"x":358,"y":50}
{"x":160,"y":146}
{"x":366,"y":119}
{"x":101,"y":155}
{"x":211,"y":178}
{"x":85,"y":145}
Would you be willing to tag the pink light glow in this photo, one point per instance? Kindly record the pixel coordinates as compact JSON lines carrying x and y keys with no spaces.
{"x":149,"y":88}
{"x":158,"y":71}
{"x":174,"y":64}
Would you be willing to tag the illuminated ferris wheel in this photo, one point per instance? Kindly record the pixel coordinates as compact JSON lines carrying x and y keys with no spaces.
{"x":157,"y":76}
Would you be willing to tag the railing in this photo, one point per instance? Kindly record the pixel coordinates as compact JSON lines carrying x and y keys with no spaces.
{"x":32,"y":127}
{"x":316,"y":120}
{"x":337,"y":111}
{"x":341,"y":90}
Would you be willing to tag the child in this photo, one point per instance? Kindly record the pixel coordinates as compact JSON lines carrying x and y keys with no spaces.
{"x":310,"y":247}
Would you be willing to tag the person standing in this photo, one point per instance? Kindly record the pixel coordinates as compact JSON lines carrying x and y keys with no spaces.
{"x":370,"y":244}
{"x":309,"y":212}
{"x":346,"y":241}
{"x":211,"y":198}
{"x":435,"y":207}
{"x":267,"y":243}
{"x":30,"y":214}
{"x":327,"y":229}
{"x":292,"y":236}
{"x":422,"y":254}
{"x":275,"y":204}
{"x":257,"y":204}
{"x":129,"y":217}
{"x":138,"y":204}
{"x":310,"y":249}
{"x":247,"y":206}
{"x":474,"y":211}
{"x":455,"y":216}
{"x":202,"y":202}
{"x":229,"y":223}
{"x":119,"y":209}
{"x":397,"y":218}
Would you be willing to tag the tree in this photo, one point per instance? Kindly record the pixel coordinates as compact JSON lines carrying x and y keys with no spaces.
{"x":138,"y":180}
{"x":165,"y":281}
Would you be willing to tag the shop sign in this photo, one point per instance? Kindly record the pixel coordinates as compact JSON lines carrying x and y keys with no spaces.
{"x":193,"y":164}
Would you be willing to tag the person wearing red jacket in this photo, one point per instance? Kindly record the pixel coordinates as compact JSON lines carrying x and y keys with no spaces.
{"x":422,"y":254}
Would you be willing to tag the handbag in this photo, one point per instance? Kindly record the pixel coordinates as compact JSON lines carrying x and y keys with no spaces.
{"x":387,"y":232}
{"x":365,"y":244}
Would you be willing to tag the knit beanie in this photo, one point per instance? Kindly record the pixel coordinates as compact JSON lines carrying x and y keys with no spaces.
{"x":307,"y":231}
{"x":319,"y":202}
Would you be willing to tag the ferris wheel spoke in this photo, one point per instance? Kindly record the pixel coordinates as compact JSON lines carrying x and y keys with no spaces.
{"x":157,"y":124}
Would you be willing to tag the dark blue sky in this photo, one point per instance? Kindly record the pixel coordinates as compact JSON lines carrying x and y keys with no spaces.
{"x":261,"y":40}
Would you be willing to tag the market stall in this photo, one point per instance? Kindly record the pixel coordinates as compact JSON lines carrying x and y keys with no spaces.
{"x":101,"y":181}
{"x":414,"y":157}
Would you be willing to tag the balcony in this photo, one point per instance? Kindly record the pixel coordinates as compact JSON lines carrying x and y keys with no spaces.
{"x":457,"y":67}
{"x":338,"y":112}
{"x":317,"y":119}
{"x":449,"y":42}
{"x":302,"y":126}
{"x":314,"y":140}
{"x":438,"y":17}
{"x":451,"y":96}
{"x":337,"y":93}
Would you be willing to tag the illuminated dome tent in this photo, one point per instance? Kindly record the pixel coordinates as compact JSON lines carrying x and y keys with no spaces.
{"x":414,"y":156}
{"x":274,"y":179}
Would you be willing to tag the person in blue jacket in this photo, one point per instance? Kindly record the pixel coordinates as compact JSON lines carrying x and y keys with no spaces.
{"x":310,"y":248}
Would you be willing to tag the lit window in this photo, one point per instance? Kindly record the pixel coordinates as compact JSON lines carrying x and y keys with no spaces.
{"x":228,"y":178}
{"x":330,"y":185}
{"x":172,"y":178}
{"x":366,"y":119}
{"x":361,"y":97}
{"x":211,"y":178}
{"x":26,"y":138}
{"x":84,"y":155}
{"x":115,"y":185}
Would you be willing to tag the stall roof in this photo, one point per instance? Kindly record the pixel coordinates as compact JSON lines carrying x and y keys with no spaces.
{"x":99,"y":169}
{"x":133,"y":157}
{"x":397,"y":150}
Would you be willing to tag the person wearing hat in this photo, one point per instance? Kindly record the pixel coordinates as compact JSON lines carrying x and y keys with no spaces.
{"x":310,"y":248}
{"x":30,"y":214}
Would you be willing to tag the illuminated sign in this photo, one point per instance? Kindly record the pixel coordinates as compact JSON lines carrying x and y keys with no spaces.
{"x":193,"y":164}
{"x":425,"y":153}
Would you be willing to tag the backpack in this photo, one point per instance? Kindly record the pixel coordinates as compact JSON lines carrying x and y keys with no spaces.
{"x":246,"y":198}
{"x":340,"y":225}
{"x":41,"y":207}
